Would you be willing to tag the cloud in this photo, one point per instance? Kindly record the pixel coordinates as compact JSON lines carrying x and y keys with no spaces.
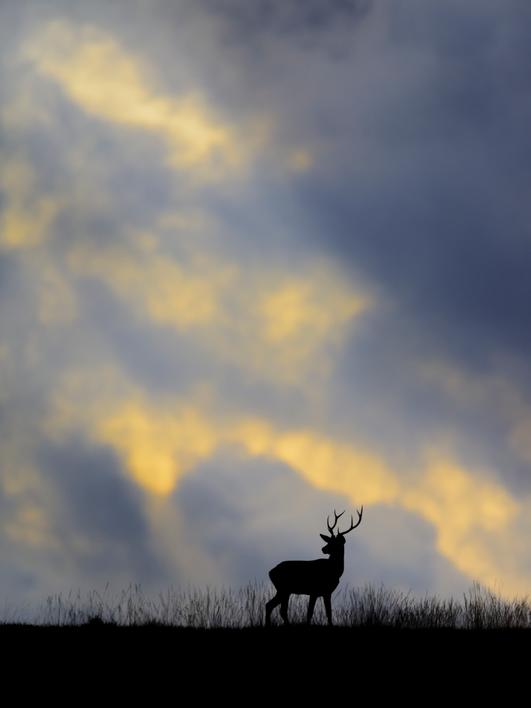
{"x":109,"y":82}
{"x":273,"y":322}
{"x":99,"y":513}
{"x":27,"y":215}
{"x":466,"y":510}
{"x":425,"y":180}
{"x":160,"y":442}
{"x":287,"y":238}
{"x":156,"y":286}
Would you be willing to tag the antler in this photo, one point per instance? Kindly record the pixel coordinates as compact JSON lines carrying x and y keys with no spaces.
{"x":352,"y":524}
{"x":331,"y":528}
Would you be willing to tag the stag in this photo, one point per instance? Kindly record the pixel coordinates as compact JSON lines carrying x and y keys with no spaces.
{"x":316,"y":578}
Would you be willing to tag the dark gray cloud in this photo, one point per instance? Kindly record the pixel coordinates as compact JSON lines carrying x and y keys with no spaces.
{"x":226,"y":505}
{"x":103,"y":511}
{"x":436,"y":210}
{"x":291,"y":20}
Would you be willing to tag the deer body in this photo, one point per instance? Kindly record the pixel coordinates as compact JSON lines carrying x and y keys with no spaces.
{"x":316,"y":578}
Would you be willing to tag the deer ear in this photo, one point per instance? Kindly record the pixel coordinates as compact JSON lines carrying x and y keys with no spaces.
{"x":325,"y":538}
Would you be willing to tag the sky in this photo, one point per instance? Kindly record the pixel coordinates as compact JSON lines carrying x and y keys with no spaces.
{"x":260,"y":260}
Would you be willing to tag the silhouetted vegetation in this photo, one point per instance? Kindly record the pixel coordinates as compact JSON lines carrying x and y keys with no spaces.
{"x":210,"y":608}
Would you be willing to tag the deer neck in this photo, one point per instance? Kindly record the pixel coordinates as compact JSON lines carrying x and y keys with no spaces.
{"x":337,"y":562}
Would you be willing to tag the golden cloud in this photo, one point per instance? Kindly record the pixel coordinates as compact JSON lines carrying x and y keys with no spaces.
{"x":468,"y":513}
{"x":108,"y":81}
{"x":360,"y":474}
{"x":27,"y":214}
{"x":300,"y":321}
{"x":157,"y":287}
{"x":276,"y":326}
{"x":157,"y":450}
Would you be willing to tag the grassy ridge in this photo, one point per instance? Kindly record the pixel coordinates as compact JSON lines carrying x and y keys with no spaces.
{"x":386,"y":645}
{"x":367,"y":607}
{"x":374,"y":661}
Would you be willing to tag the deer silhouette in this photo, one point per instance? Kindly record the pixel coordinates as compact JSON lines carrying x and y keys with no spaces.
{"x":316,"y":578}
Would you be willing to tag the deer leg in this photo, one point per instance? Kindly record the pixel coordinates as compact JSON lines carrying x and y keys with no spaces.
{"x":284,"y":608}
{"x":311,"y":605}
{"x":327,"y":599}
{"x":270,"y":606}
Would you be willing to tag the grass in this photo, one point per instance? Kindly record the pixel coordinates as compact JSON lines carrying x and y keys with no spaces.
{"x":210,"y":608}
{"x":211,"y":638}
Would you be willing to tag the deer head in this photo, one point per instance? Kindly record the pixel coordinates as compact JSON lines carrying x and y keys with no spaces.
{"x":336,"y":543}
